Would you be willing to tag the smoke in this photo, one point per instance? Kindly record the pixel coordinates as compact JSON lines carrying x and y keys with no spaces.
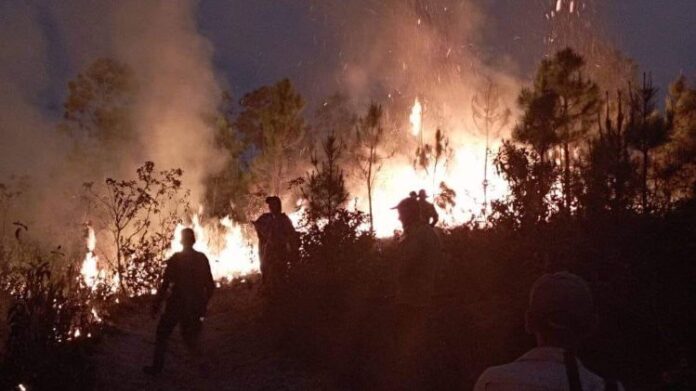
{"x":25,"y":146}
{"x":178,"y":87}
{"x":177,"y":96}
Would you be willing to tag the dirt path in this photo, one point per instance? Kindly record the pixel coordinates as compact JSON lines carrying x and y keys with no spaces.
{"x":239,"y":352}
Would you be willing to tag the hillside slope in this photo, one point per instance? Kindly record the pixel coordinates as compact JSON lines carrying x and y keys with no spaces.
{"x":240,"y":352}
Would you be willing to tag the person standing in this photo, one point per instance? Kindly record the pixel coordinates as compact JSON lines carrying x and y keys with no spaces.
{"x":427,"y":210}
{"x":560,"y":315}
{"x":187,"y":286}
{"x":278,"y":243}
{"x":420,"y":252}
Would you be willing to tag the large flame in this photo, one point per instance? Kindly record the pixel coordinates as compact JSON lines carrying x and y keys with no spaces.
{"x":232,"y":253}
{"x":463,"y":172}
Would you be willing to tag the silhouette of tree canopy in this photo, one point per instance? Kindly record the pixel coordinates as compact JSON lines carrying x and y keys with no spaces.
{"x":558,"y":111}
{"x":227,"y":191}
{"x":324,"y":187}
{"x":647,"y":130}
{"x":271,"y":120}
{"x":97,"y":113}
{"x":369,"y":137}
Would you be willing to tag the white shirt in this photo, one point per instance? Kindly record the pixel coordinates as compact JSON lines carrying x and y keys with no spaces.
{"x":540,"y":369}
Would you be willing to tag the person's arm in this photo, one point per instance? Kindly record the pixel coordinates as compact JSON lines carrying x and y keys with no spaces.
{"x":436,"y":217}
{"x":209,"y":283}
{"x":164,"y":287}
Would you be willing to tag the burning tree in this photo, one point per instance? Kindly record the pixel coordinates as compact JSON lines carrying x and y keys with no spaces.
{"x":369,"y":137}
{"x":141,"y":216}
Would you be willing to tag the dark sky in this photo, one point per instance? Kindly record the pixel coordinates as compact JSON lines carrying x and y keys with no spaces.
{"x":279,"y":37}
{"x":260,"y":41}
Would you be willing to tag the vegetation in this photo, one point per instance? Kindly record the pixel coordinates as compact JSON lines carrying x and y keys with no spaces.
{"x":601,"y":183}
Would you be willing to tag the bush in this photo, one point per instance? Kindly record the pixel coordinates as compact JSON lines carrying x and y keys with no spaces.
{"x":52,"y":320}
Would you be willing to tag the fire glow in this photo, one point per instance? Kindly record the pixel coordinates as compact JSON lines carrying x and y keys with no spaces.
{"x":231,"y":247}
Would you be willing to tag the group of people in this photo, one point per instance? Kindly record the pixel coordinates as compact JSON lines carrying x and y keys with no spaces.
{"x":560,"y":313}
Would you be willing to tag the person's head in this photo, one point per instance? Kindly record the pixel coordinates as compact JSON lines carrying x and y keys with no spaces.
{"x":422,"y":194}
{"x":188,"y":238}
{"x":409,"y":211}
{"x":561,"y":310}
{"x":274,"y":205}
{"x":413,"y":195}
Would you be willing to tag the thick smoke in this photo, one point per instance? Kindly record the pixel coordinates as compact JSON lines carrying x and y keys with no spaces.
{"x":177,"y":91}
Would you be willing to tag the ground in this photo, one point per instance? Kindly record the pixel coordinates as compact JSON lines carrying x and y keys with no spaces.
{"x":240,"y":351}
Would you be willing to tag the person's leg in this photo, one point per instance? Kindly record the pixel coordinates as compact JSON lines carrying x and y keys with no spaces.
{"x":191,"y":327}
{"x":166,"y":325}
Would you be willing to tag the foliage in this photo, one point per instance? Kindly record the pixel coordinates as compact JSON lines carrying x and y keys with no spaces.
{"x":531,"y":180}
{"x":369,"y":139}
{"x":647,"y":130}
{"x":557,"y":112}
{"x":227,"y":191}
{"x":271,"y":120}
{"x":324,"y":187}
{"x":53,"y":318}
{"x":609,"y":174}
{"x":678,"y":167}
{"x":490,"y":117}
{"x":97,"y":112}
{"x":141,"y":216}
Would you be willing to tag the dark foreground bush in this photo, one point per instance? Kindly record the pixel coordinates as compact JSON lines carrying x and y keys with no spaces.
{"x":336,"y":310}
{"x":53,"y":321}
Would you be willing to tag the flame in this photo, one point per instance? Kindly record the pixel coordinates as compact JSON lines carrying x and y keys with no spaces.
{"x":416,"y":118}
{"x":231,"y":253}
{"x":90,"y":271}
{"x":463,"y":173}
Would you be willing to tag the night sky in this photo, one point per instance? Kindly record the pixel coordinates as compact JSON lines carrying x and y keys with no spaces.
{"x":258,"y":42}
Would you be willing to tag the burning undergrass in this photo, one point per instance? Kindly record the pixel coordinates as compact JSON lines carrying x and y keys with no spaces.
{"x":53,"y":318}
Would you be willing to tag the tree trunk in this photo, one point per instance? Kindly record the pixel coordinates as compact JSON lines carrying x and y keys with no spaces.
{"x":644,"y":195}
{"x":566,"y":177}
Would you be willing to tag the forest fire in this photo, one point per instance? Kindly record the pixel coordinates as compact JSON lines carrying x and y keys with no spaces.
{"x":231,"y":252}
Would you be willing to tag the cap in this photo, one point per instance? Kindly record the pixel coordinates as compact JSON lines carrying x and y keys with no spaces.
{"x":563,"y":300}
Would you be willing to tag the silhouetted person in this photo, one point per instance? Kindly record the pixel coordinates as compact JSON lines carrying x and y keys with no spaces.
{"x":561,"y":315}
{"x":413,"y":195}
{"x":278,"y":243}
{"x":191,"y":282}
{"x":427,"y":210}
{"x":420,"y":252}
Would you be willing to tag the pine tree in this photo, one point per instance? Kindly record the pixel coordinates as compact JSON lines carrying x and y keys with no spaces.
{"x":324,"y":189}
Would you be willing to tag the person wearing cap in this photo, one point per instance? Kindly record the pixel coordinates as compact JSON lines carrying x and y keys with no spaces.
{"x":187,"y":286}
{"x":420,"y":252}
{"x":278,"y":243}
{"x":560,"y":315}
{"x":427,"y":209}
